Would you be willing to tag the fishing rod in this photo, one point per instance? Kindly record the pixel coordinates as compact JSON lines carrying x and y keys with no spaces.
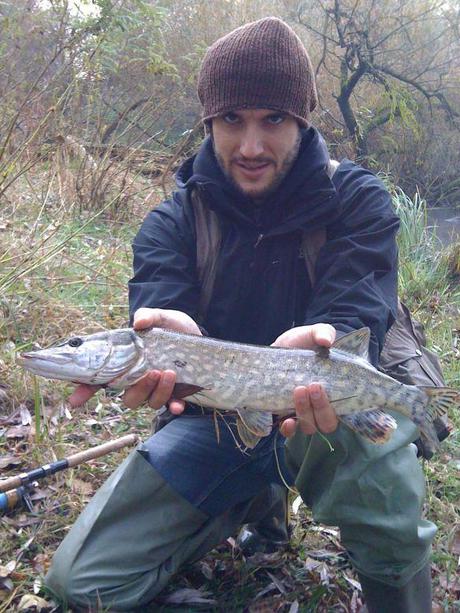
{"x":17,"y":489}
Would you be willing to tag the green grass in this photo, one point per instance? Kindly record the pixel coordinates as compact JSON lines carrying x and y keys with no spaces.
{"x":70,"y":273}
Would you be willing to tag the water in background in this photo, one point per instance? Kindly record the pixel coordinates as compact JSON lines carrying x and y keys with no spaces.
{"x":446,"y":220}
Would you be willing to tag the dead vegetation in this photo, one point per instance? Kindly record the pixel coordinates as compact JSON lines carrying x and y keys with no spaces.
{"x":65,"y":270}
{"x":92,"y":113}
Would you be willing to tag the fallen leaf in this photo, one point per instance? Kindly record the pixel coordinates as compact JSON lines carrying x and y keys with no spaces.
{"x":26,"y":417}
{"x":6,"y":584}
{"x":7,"y":569}
{"x":450,"y":583}
{"x":324,"y":573}
{"x":189,"y":596}
{"x":269,"y":605}
{"x":34,"y":604}
{"x":3,"y":395}
{"x":40,"y":494}
{"x":206,"y":570}
{"x":4,"y":594}
{"x":454,"y":546}
{"x":18,"y":432}
{"x":82,"y":487}
{"x":353,"y":582}
{"x":294,"y":607}
{"x":323,"y":554}
{"x":277,"y":582}
{"x":311,"y":564}
{"x":265,"y":560}
{"x":271,"y":587}
{"x":328,"y":531}
{"x":9,"y":461}
{"x":356,"y":603}
{"x":41,"y":562}
{"x":296,"y":505}
{"x":21,"y":521}
{"x":38,"y":585}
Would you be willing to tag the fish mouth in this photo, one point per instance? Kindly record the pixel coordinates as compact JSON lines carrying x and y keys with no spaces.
{"x":33,"y":356}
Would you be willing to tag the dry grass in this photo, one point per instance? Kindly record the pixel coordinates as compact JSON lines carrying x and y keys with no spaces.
{"x":82,"y":288}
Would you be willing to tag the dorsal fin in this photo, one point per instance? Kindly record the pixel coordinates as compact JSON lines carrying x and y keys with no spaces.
{"x":356,"y":343}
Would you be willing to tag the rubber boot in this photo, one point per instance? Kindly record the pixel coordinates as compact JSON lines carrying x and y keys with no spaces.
{"x":414,"y":597}
{"x":267,"y":530}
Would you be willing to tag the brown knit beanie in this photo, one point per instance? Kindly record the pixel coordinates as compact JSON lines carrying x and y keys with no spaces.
{"x":262,"y":64}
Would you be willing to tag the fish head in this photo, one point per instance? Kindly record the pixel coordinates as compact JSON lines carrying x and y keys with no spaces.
{"x":95,"y":359}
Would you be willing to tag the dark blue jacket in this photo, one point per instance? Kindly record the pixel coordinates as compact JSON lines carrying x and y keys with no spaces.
{"x":262,"y":286}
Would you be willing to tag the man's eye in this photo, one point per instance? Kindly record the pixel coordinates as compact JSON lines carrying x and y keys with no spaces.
{"x":231,"y":118}
{"x":275,"y":119}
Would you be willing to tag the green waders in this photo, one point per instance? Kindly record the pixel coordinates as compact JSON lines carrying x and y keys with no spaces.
{"x":374,"y":493}
{"x":137,"y":532}
{"x":132,"y":538}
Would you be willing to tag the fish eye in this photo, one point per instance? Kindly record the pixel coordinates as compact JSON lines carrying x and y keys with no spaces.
{"x":75,"y":341}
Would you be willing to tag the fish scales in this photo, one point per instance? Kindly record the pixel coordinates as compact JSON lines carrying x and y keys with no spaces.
{"x":254,"y":381}
{"x":232,"y":378}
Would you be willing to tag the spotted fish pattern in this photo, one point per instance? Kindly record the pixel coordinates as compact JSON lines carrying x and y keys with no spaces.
{"x":255,"y":381}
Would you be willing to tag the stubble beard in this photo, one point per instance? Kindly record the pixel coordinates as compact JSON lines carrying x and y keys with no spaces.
{"x":261,"y":195}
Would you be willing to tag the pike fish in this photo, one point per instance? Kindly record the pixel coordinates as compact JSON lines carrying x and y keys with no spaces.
{"x":252,"y":380}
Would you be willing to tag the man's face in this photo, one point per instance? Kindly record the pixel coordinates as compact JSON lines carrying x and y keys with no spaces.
{"x":256,"y":148}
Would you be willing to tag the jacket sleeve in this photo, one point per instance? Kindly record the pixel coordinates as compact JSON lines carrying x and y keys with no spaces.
{"x":164,"y":262}
{"x":356,"y":270}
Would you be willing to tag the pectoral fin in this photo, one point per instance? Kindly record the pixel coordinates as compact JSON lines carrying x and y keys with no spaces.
{"x":182,"y":390}
{"x":374,"y":425}
{"x":253,"y":425}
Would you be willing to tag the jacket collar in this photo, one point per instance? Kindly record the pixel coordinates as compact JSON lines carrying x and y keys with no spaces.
{"x":305,"y":200}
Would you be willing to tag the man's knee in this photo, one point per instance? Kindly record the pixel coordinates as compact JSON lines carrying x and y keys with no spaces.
{"x":62,"y":587}
{"x":74,"y":587}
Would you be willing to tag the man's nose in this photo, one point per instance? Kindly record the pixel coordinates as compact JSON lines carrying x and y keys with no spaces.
{"x":252,"y":144}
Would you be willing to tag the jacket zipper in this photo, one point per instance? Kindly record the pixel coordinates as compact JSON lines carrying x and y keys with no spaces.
{"x":259,"y":238}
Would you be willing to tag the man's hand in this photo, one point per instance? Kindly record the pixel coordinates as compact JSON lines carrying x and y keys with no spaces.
{"x":155,"y":387}
{"x":313,"y":409}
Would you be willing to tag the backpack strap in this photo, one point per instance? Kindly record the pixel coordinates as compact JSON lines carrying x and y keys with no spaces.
{"x":208,"y":243}
{"x":311,"y":245}
{"x":314,"y":240}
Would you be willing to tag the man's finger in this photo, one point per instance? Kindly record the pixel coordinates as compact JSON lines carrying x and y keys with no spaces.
{"x":141,"y":390}
{"x":82,"y":394}
{"x":176,"y":407}
{"x":288,"y":427}
{"x":145,"y":317}
{"x":164,"y":389}
{"x":324,"y":415}
{"x":323,"y":334}
{"x":304,"y":410}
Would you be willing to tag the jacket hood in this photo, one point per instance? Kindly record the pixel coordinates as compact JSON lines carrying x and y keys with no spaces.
{"x":305,"y":200}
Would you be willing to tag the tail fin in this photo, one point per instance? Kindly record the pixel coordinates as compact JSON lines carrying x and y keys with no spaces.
{"x":441,"y":400}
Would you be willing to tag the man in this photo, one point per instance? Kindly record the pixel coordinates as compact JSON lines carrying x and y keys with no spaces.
{"x":263,"y":174}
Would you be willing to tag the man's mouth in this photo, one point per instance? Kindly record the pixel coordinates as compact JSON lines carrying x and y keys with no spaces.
{"x":252,"y":171}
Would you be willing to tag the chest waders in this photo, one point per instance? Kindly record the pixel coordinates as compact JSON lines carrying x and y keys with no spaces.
{"x":404,"y":356}
{"x":137,"y":531}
